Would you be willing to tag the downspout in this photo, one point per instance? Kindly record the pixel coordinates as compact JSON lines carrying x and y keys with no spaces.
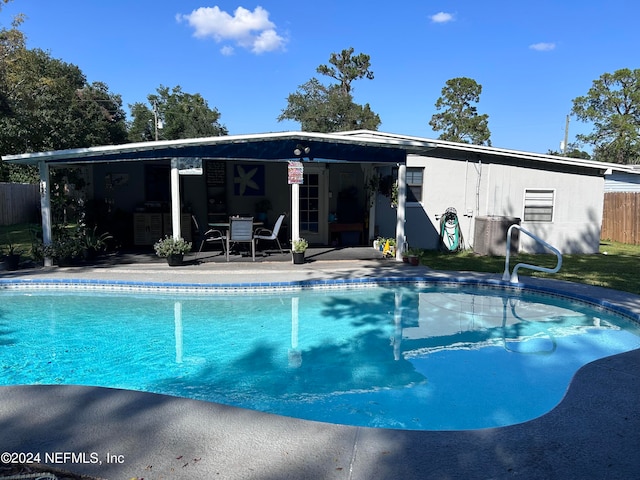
{"x":400,"y":212}
{"x":45,"y":207}
{"x":175,"y":199}
{"x":488,"y":183}
{"x":478,"y":180}
{"x":478,"y":168}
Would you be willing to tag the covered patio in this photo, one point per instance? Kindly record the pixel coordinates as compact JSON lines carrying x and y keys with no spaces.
{"x":212,"y":178}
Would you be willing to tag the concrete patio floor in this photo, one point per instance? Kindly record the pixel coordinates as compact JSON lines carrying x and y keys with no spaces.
{"x":593,"y":433}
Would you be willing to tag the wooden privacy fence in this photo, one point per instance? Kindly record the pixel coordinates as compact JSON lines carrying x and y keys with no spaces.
{"x":19,"y":203}
{"x":621,"y":217}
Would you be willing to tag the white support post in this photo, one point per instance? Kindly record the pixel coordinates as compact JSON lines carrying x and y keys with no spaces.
{"x":400,"y":212}
{"x":295,"y":212}
{"x":175,"y":199}
{"x":45,"y":207}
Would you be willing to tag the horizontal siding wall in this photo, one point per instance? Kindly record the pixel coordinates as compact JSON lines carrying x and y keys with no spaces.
{"x":19,"y":203}
{"x":621,"y":217}
{"x":622,"y":182}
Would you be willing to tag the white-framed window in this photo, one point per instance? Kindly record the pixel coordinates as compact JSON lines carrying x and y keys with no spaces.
{"x":538,"y":205}
{"x":415,"y":179}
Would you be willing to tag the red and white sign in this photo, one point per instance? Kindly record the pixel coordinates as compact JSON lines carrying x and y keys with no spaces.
{"x":296,"y":173}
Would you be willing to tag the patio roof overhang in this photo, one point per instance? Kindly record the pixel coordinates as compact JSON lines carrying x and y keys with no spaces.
{"x":324,"y":147}
{"x":358,"y":147}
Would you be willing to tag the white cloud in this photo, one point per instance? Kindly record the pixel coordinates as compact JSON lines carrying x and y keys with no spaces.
{"x":542,"y":46}
{"x":247,"y":29}
{"x":267,"y":41}
{"x":442,"y":17}
{"x":227,"y":50}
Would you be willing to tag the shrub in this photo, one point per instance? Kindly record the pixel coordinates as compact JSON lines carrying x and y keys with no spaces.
{"x":300,"y":245}
{"x":171,"y":246}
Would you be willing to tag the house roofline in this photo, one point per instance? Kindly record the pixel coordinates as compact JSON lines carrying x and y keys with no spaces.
{"x":503,"y":152}
{"x":411,"y":145}
{"x":174,"y":146}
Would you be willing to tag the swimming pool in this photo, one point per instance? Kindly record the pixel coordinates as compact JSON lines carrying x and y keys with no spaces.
{"x":410,"y":356}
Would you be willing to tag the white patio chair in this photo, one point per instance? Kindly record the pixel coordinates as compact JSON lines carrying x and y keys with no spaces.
{"x":262,"y":233}
{"x":241,"y":231}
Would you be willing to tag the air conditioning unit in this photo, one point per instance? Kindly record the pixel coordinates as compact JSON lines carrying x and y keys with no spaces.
{"x":490,"y":235}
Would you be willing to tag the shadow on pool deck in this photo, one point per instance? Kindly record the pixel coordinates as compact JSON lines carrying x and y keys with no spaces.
{"x":593,"y":433}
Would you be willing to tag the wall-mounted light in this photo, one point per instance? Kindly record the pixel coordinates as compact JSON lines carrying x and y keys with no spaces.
{"x":302,"y":151}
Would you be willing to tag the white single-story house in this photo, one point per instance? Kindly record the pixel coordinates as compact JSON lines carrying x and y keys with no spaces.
{"x":559,"y":199}
{"x":344,"y":195}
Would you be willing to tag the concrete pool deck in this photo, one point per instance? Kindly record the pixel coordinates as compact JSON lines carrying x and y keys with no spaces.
{"x":593,"y":433}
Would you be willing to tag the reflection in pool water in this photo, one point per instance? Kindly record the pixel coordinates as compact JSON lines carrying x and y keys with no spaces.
{"x":430,"y":358}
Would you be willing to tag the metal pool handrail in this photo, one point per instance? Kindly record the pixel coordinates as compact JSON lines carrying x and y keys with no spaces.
{"x":513,"y":277}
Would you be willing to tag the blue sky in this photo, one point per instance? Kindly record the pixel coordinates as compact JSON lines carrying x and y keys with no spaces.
{"x":532,"y":58}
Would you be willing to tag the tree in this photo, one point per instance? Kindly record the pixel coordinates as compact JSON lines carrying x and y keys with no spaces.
{"x":459,"y":119}
{"x":571,"y":152}
{"x":347,"y":68}
{"x":612,"y":104}
{"x":11,"y":40}
{"x":47,"y":104}
{"x":182,"y":115}
{"x":320,"y":108}
{"x":102,"y":119}
{"x":51,"y":107}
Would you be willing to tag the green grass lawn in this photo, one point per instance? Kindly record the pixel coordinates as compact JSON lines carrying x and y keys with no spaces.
{"x":617,"y":266}
{"x":21,"y":236}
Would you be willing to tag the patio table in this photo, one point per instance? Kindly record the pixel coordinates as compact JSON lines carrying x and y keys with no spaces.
{"x":225,"y":227}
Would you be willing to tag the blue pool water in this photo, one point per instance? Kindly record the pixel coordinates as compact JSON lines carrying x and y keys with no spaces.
{"x":424,"y":358}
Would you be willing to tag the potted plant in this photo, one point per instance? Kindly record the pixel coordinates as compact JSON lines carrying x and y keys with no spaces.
{"x":66,"y":249}
{"x":414,"y":256}
{"x":95,"y":244}
{"x":173,"y":249}
{"x":299,"y":246}
{"x":12,"y":257}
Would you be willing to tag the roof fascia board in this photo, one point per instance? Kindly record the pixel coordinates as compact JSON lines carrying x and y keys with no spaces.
{"x":503,"y":152}
{"x":75,"y":155}
{"x":365,"y":138}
